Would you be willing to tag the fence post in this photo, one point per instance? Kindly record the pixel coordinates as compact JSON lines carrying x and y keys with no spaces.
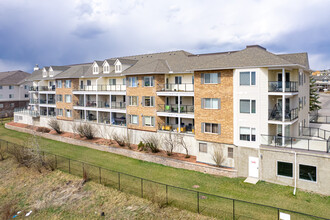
{"x":7,"y":146}
{"x":308,"y":144}
{"x":233,"y":208}
{"x":55,"y":161}
{"x":166,"y":195}
{"x":100,"y":174}
{"x":69,"y":166}
{"x":278,"y":214}
{"x":198,"y":202}
{"x":119,"y":181}
{"x":141,"y":188}
{"x":83,"y":169}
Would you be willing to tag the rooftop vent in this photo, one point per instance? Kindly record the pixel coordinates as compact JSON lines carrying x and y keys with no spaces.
{"x":36,"y":67}
{"x":258,"y":46}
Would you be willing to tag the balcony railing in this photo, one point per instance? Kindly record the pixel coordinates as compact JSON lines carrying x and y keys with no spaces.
{"x":175,"y":128}
{"x":79,"y":104}
{"x":29,"y":112}
{"x":295,"y":143}
{"x":118,"y":105}
{"x":277,"y":86}
{"x":171,"y":87}
{"x":102,"y":104}
{"x":47,"y":88}
{"x":33,"y":88}
{"x":276,"y":115}
{"x":175,"y":108}
{"x":102,"y":87}
{"x":34,"y":101}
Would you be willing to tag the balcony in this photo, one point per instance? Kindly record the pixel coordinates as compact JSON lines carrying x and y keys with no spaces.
{"x":295,"y":143}
{"x":34,"y":101}
{"x":102,"y":87}
{"x":29,"y":112}
{"x":34,"y":88}
{"x":47,"y":88}
{"x":277,"y":86}
{"x":118,"y":105}
{"x":187,"y":109}
{"x":184,"y":128}
{"x":171,"y":87}
{"x":276,"y":114}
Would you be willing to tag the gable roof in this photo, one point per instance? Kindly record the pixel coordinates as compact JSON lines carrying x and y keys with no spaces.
{"x":13,"y":77}
{"x":296,"y":58}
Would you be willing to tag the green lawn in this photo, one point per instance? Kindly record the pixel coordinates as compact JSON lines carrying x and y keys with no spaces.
{"x":263,"y":193}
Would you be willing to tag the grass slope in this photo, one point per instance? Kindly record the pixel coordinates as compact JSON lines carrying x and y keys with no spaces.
{"x":263,"y":193}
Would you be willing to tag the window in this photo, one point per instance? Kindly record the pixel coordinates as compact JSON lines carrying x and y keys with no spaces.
{"x":203,"y":147}
{"x":148,"y":101}
{"x":247,"y":106}
{"x":0,"y":87}
{"x":247,"y":78}
{"x":12,"y":105}
{"x":132,"y":81}
{"x":68,"y":113}
{"x":247,"y":134}
{"x":133,"y":100}
{"x":307,"y":172}
{"x":11,"y":87}
{"x":178,"y":80}
{"x":68,"y":98}
{"x":1,"y":105}
{"x":118,"y":68}
{"x":59,"y":98}
{"x":304,"y":100}
{"x":211,"y":78}
{"x":284,"y":169}
{"x":112,"y":81}
{"x":26,"y":87}
{"x":148,"y":81}
{"x":59,"y":83}
{"x":1,"y":96}
{"x":148,"y":121}
{"x":89,"y":82}
{"x":95,"y":69}
{"x":106,"y":69}
{"x":11,"y":96}
{"x":60,"y":112}
{"x":211,"y":128}
{"x":134,"y":119}
{"x":67,"y":83}
{"x":300,"y":103}
{"x":26,"y":95}
{"x":230,"y":152}
{"x":211,"y":103}
{"x":124,"y":81}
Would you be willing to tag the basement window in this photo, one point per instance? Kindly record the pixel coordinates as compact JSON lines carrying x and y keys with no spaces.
{"x":284,"y":169}
{"x":307,"y":172}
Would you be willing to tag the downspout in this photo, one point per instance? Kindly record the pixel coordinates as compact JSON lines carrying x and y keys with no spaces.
{"x":295,"y":173}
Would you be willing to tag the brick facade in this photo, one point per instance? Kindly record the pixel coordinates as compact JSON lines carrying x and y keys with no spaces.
{"x":67,"y":91}
{"x":8,"y":107}
{"x":224,"y":115}
{"x":139,"y":110}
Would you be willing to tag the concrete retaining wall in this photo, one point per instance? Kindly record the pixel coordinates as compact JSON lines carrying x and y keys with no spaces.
{"x":134,"y":154}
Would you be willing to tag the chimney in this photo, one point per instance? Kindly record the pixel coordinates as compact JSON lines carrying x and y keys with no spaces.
{"x":36,"y":67}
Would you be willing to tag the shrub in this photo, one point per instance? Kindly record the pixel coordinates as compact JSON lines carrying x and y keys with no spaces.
{"x":86,"y":130}
{"x":170,"y":142}
{"x":120,"y":139}
{"x":141,"y":146}
{"x":55,"y":124}
{"x":184,"y":145}
{"x":43,"y":129}
{"x":151,"y":143}
{"x":2,"y":152}
{"x":217,"y":156}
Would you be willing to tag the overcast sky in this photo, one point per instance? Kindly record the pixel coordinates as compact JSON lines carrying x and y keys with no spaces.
{"x":59,"y":32}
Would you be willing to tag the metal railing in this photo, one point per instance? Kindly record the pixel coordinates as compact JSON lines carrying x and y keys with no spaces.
{"x":33,"y":88}
{"x":175,"y":108}
{"x":171,"y":87}
{"x":277,"y":86}
{"x":316,"y":132}
{"x":46,"y":88}
{"x":103,"y":87}
{"x":118,"y":105}
{"x":277,"y":115}
{"x":34,"y":101}
{"x":295,"y":143}
{"x":175,"y":127}
{"x":196,"y":201}
{"x":319,"y":119}
{"x":29,"y":112}
{"x":79,"y":104}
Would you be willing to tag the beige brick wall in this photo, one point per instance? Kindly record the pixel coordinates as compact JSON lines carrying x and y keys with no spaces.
{"x":145,"y":111}
{"x":67,"y":91}
{"x":224,"y":116}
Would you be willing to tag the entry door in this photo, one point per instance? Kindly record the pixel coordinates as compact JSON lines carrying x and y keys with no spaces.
{"x":254,"y":167}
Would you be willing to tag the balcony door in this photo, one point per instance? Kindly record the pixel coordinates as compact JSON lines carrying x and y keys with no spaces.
{"x":287,"y":130}
{"x":287,"y":79}
{"x":287,"y":104}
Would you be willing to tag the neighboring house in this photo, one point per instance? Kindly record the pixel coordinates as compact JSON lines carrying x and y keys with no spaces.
{"x":14,"y":92}
{"x":322,"y":80}
{"x":251,"y":103}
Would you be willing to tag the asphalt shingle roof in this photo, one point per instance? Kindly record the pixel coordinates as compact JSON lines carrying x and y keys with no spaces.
{"x":13,"y":77}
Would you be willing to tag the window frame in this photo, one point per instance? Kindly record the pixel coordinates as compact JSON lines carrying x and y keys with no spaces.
{"x":251,"y":79}
{"x":66,"y":98}
{"x":204,"y":101}
{"x":199,"y":147}
{"x":277,"y":174}
{"x":251,"y":137}
{"x":151,"y":81}
{"x":217,"y":76}
{"x":230,"y":154}
{"x":176,"y":79}
{"x":152,"y":101}
{"x":152,"y":121}
{"x":251,"y":101}
{"x":11,"y":87}
{"x":59,"y":84}
{"x":131,"y":119}
{"x":66,"y":113}
{"x":130,"y":100}
{"x":211,"y":126}
{"x":68,"y":81}
{"x":130,"y":81}
{"x":307,"y":179}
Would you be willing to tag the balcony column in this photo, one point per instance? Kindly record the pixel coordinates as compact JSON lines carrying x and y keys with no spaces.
{"x":85,"y":115}
{"x":46,"y":98}
{"x":283,"y":80}
{"x":97,"y":116}
{"x":179,"y":108}
{"x":97,"y":101}
{"x":110,"y":117}
{"x":179,"y":124}
{"x":84,"y":100}
{"x":46,"y":111}
{"x":110,"y":101}
{"x":283,"y":135}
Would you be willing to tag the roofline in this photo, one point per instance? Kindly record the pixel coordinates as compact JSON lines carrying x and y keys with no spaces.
{"x":285,"y":65}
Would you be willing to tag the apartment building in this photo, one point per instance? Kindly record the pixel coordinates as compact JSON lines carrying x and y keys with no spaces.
{"x":14,"y":92}
{"x":251,"y":104}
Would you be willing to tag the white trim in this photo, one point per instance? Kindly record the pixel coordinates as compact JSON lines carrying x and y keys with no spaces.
{"x":293,"y":168}
{"x":309,"y":181}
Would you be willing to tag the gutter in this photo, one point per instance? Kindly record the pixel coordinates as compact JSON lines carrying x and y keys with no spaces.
{"x":244,"y":67}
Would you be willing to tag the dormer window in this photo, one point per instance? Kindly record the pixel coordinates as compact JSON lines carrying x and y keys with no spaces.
{"x":51,"y":72}
{"x":44,"y":73}
{"x":106,"y":68}
{"x":118,"y":68}
{"x":95,"y":69}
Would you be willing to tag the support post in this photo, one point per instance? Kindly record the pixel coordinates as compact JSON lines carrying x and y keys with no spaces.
{"x":141,"y":188}
{"x":100,"y":178}
{"x":233,"y":208}
{"x":198,"y":202}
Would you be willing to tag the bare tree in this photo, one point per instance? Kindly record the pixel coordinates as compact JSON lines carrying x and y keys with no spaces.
{"x":183,"y":144}
{"x":151,"y":142}
{"x":2,"y":152}
{"x":169,"y":143}
{"x":56,"y":125}
{"x":218,"y":156}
